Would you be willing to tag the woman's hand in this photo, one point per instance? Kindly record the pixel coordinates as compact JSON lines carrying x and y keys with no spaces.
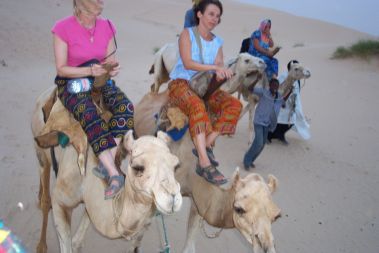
{"x":270,"y":41}
{"x":223,"y":73}
{"x":97,"y":70}
{"x":114,"y":72}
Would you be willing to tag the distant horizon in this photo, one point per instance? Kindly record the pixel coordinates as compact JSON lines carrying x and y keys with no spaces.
{"x":359,"y":15}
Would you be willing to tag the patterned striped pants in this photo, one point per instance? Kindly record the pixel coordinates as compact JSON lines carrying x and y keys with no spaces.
{"x":226,"y":108}
{"x":100,"y":134}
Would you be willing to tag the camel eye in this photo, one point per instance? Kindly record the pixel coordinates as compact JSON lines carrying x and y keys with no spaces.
{"x":277,"y":217}
{"x":177,"y":167}
{"x":239,"y":210}
{"x":138,"y":170}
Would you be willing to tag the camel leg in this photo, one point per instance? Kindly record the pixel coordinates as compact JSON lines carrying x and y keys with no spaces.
{"x":62,"y":219}
{"x":244,"y":110}
{"x":77,"y":241}
{"x":192,"y":227}
{"x":44,"y":198}
{"x":136,"y":243}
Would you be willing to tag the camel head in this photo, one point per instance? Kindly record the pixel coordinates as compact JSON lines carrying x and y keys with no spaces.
{"x":254,"y":210}
{"x":246,"y":69}
{"x":246,"y":64}
{"x":298,"y":72}
{"x":151,"y":170}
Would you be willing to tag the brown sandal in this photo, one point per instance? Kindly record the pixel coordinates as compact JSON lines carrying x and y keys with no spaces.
{"x":211,"y":174}
{"x":113,"y":189}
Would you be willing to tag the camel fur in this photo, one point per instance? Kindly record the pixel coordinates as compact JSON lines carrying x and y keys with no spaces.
{"x":176,"y":118}
{"x":150,"y":185}
{"x":247,"y":205}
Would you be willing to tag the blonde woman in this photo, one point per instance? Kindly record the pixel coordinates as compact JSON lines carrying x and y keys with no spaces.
{"x":81,"y":43}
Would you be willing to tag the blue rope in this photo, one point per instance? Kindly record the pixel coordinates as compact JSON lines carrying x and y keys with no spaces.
{"x":166,"y":248}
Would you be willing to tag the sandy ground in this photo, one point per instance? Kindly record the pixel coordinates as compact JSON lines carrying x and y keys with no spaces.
{"x":329,"y":185}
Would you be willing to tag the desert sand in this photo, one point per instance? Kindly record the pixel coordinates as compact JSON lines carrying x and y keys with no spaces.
{"x":329,"y":185}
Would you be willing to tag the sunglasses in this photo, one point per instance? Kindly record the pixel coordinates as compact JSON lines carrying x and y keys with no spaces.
{"x":115,"y":43}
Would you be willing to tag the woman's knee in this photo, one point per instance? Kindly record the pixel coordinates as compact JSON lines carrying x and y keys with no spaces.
{"x":237,"y":105}
{"x":233,"y":105}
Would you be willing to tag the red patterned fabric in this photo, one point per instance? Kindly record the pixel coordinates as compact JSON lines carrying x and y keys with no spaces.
{"x":226,"y":108}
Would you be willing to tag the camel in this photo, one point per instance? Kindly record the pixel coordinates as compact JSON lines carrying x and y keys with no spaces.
{"x":150,"y":185}
{"x":296,"y":72}
{"x":164,"y":61}
{"x":246,"y":205}
{"x":243,"y":65}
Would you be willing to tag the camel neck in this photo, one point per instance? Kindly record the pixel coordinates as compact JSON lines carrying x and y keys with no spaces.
{"x":131,"y":212}
{"x":287,"y":83}
{"x":218,"y":209}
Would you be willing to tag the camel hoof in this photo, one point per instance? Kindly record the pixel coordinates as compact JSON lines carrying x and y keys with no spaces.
{"x":134,"y":250}
{"x":76,"y":248}
{"x":41,"y":248}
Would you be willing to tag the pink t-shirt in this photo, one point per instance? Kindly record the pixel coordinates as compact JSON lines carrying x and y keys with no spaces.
{"x":78,"y":39}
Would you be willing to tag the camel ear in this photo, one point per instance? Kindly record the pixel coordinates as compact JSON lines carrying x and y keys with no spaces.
{"x":164,"y":137}
{"x":272,"y":183}
{"x":236,"y":179}
{"x":273,"y":211}
{"x":128,"y":140}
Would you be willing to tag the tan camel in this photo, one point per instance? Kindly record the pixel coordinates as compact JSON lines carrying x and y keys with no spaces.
{"x":165,"y":59}
{"x":247,"y":205}
{"x":149,"y":186}
{"x":297,"y":72}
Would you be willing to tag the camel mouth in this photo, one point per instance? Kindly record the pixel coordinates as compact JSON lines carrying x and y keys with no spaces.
{"x":171,"y":207}
{"x":163,"y":210}
{"x":253,"y":72}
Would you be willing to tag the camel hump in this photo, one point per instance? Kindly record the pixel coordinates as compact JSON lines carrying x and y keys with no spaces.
{"x":46,"y":108}
{"x":155,"y":112}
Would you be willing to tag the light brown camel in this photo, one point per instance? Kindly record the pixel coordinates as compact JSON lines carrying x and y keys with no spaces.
{"x":247,"y":205}
{"x":149,"y":186}
{"x":166,"y":57}
{"x":296,"y":72}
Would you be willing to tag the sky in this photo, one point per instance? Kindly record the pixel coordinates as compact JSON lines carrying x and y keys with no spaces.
{"x":361,"y":15}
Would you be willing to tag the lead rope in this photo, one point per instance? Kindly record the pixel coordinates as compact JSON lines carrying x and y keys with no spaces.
{"x":118,"y":206}
{"x":166,"y":246}
{"x":209,"y":236}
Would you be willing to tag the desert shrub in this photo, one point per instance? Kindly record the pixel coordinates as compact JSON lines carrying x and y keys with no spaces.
{"x":363,"y":49}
